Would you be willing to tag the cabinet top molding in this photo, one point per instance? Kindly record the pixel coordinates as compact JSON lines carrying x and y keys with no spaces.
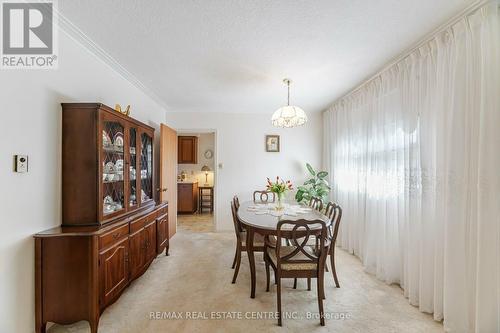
{"x":104,"y":107}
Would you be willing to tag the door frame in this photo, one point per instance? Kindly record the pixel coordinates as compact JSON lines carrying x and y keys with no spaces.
{"x":181,"y":131}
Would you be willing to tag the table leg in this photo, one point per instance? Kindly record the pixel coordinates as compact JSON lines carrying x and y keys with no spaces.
{"x":251,"y":259}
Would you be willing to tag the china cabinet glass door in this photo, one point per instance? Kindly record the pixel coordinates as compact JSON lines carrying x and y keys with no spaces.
{"x":146,"y":166}
{"x":133,"y":179}
{"x":113,"y":166}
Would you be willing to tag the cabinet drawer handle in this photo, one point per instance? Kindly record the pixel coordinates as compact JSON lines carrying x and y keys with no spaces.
{"x":116,"y":235}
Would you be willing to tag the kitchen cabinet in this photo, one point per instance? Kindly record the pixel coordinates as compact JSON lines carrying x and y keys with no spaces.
{"x":187,"y":150}
{"x":187,"y":197}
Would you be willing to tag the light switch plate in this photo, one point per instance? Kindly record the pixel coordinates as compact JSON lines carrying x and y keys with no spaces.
{"x":21,"y":163}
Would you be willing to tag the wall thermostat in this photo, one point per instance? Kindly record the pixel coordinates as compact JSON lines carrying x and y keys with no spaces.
{"x":21,"y":163}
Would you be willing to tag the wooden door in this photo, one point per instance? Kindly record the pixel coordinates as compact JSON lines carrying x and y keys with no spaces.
{"x":136,"y":253}
{"x":187,"y":150}
{"x":168,"y":174}
{"x":150,"y":241}
{"x":114,"y":272}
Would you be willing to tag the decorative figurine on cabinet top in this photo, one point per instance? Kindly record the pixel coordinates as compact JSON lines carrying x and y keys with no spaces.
{"x":118,"y":108}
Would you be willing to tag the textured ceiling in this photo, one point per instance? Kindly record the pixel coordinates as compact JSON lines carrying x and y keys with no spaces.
{"x":231,"y":55}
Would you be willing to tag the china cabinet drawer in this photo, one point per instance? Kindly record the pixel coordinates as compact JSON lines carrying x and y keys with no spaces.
{"x":138,"y":225}
{"x":150,"y":218}
{"x":142,"y":222}
{"x":113,"y":236}
{"x":162,"y":211}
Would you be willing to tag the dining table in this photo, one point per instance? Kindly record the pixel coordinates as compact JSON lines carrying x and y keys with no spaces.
{"x":263,"y":218}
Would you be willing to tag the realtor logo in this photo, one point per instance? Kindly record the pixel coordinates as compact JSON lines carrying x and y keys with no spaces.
{"x":28,"y":35}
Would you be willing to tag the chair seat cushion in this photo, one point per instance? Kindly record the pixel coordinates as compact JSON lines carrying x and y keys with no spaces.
{"x":285,"y":250}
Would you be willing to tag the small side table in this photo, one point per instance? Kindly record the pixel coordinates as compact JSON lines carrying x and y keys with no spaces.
{"x":206,"y":198}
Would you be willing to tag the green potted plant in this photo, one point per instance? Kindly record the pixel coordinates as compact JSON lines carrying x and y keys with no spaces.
{"x":317,"y":186}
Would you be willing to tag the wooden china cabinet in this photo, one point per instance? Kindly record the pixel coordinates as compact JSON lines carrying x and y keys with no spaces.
{"x":111,"y":229}
{"x":107,"y":159}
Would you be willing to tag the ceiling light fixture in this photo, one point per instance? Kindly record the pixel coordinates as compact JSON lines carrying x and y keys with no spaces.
{"x":289,"y":115}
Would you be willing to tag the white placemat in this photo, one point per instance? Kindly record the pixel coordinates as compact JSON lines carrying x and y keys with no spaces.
{"x":289,"y":209}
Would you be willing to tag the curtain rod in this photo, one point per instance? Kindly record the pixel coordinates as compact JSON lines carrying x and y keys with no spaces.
{"x":426,"y":39}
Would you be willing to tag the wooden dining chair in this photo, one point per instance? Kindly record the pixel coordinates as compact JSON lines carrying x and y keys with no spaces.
{"x":241,"y":238}
{"x":316,"y":203}
{"x":334,"y":212}
{"x":298,"y":260}
{"x":236,"y":202}
{"x":263,"y":196}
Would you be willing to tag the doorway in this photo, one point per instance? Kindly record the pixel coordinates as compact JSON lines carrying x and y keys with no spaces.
{"x":196,"y":181}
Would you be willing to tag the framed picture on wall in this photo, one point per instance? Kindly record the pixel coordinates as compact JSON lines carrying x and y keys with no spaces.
{"x":273,"y":143}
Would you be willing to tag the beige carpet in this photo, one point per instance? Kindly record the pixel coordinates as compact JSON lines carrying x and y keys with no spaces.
{"x":196,"y":277}
{"x":196,"y":222}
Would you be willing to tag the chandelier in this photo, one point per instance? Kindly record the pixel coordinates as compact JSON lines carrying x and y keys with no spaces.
{"x":289,"y":115}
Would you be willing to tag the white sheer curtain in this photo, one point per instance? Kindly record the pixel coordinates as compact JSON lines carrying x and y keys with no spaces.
{"x":414,"y":159}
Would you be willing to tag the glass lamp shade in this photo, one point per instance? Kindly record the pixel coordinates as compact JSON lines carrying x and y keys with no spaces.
{"x":289,"y":116}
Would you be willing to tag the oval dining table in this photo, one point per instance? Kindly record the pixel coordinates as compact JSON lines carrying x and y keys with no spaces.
{"x":266,"y":224}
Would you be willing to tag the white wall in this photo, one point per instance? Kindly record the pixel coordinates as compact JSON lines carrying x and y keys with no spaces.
{"x":205,"y":141}
{"x":30,"y":116}
{"x":241,"y":150}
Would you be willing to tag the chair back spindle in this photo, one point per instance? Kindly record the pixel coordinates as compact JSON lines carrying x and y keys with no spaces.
{"x":334,"y":213}
{"x":316,"y":203}
{"x":237,"y":224}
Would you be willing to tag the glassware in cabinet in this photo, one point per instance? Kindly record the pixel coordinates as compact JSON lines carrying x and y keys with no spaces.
{"x":113,"y":165}
{"x":146,"y":165}
{"x":132,"y":186}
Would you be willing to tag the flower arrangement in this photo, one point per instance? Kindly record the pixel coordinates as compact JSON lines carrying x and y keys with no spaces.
{"x":279,"y":187}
